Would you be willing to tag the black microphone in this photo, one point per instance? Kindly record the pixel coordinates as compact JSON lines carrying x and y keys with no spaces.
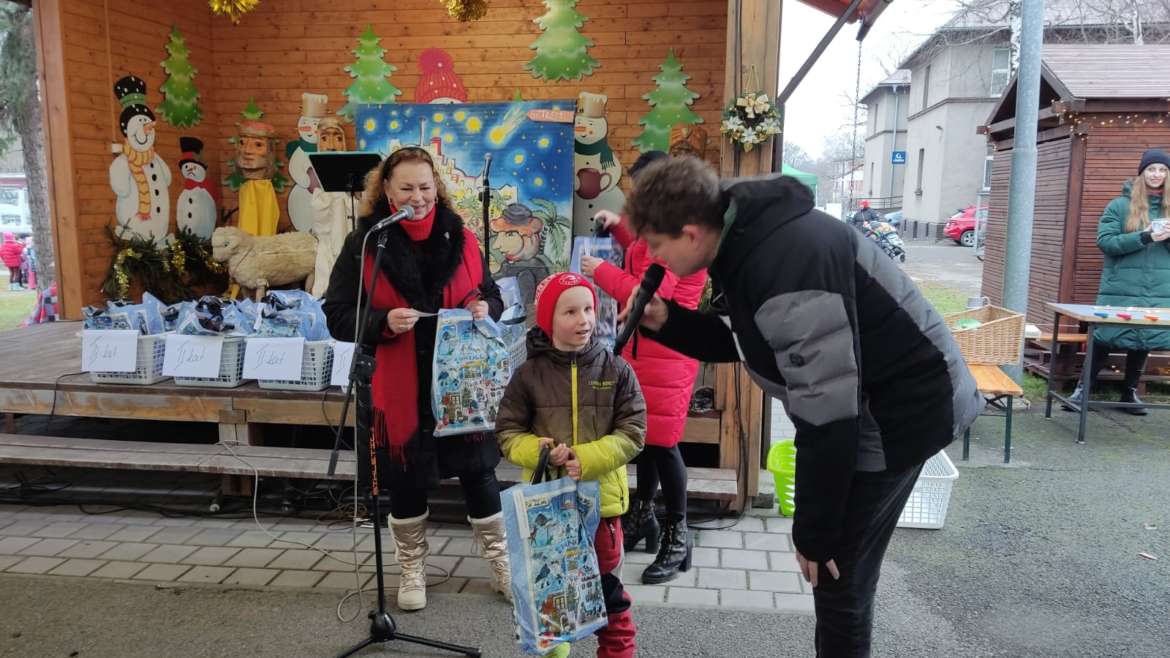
{"x":407,"y":212}
{"x":650,"y":282}
{"x":599,"y":227}
{"x":487,"y":165}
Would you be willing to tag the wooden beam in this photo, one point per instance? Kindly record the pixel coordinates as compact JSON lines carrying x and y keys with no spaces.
{"x":753,"y":43}
{"x":63,"y":204}
{"x":1072,"y":217}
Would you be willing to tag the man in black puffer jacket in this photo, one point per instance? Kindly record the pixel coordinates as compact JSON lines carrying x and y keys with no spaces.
{"x":824,"y":321}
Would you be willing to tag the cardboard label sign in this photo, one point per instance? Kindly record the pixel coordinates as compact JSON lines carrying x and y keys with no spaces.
{"x":109,"y":350}
{"x":192,"y":356}
{"x":274,"y":358}
{"x":342,"y":358}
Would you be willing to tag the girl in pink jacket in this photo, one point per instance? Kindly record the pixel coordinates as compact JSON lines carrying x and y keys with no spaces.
{"x":666,"y":378}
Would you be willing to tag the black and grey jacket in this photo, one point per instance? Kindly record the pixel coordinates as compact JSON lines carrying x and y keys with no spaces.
{"x":866,"y":368}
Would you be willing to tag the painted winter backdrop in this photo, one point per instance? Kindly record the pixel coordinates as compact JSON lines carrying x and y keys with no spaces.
{"x":531,"y":175}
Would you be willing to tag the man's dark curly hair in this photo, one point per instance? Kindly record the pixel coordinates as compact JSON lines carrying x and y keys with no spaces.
{"x":669,"y":194}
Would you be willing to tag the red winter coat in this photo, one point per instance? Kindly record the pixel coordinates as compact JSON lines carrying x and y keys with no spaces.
{"x":11,"y":251}
{"x":666,"y":376}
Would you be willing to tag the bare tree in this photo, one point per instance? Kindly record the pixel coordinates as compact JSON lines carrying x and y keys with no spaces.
{"x":20,"y":113}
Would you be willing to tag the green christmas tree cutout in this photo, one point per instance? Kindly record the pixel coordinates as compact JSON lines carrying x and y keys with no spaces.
{"x":670,"y":103}
{"x":180,"y":106}
{"x":371,"y":73}
{"x":235,"y":179}
{"x":562,"y":53}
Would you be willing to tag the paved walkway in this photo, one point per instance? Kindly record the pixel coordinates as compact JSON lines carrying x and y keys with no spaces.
{"x":750,"y":565}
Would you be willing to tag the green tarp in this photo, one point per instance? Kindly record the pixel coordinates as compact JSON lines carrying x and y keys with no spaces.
{"x":803,"y":176}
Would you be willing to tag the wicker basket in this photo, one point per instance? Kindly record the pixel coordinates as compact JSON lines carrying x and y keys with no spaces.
{"x":998,"y":341}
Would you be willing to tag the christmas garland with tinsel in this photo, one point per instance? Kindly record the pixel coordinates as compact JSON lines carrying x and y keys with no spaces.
{"x":233,"y":9}
{"x":466,"y":10}
{"x":172,"y":273}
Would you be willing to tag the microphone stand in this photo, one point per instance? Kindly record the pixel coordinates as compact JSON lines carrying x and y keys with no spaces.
{"x":486,"y":197}
{"x":382,"y":626}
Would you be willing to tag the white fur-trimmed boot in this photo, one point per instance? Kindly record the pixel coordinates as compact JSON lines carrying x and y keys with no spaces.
{"x":489,"y":534}
{"x":411,"y":549}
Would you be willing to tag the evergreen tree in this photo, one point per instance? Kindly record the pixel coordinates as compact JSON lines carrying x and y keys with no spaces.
{"x":561,"y":52}
{"x":371,"y":73}
{"x":180,"y":107}
{"x":670,"y":103}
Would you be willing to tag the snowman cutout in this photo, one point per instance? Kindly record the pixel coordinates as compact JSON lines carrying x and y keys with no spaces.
{"x":138,"y":176}
{"x":300,"y":199}
{"x":438,"y":84}
{"x":595,"y":184}
{"x":195,"y":211}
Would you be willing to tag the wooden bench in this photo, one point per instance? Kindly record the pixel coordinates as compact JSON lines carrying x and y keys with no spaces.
{"x":248,"y":461}
{"x":998,"y":390}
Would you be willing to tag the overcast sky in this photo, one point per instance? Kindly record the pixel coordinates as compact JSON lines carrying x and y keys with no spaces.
{"x":819,"y":108}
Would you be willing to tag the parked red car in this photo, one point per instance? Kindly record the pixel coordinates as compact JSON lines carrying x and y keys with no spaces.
{"x":961,"y":227}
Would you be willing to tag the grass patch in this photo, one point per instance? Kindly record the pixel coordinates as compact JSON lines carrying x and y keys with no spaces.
{"x":15,"y":307}
{"x":944,"y":299}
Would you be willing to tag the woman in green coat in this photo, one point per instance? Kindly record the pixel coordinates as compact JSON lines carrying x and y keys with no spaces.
{"x":1132,"y":234}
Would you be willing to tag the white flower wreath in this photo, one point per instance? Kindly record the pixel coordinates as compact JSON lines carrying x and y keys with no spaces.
{"x":750,"y":119}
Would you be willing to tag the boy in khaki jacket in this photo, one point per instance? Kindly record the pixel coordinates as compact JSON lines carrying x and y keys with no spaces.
{"x":576,"y":397}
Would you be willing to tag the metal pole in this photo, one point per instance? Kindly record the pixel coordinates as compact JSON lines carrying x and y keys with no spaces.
{"x":1022,"y":198}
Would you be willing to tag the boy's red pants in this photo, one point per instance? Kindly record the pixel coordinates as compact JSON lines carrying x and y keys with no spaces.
{"x":617,"y":639}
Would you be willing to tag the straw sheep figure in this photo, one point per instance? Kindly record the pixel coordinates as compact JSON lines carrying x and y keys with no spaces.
{"x":259,"y":262}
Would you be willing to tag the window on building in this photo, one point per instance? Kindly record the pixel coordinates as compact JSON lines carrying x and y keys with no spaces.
{"x":926,"y":88}
{"x":921,"y":168}
{"x":987,"y":173}
{"x":1001,"y":70}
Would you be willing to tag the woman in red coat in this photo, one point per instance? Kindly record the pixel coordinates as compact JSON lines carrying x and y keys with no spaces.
{"x":10,"y":253}
{"x":666,"y":378}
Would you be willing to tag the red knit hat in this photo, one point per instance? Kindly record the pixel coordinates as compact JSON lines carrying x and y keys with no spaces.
{"x":549,"y":291}
{"x":438,"y":79}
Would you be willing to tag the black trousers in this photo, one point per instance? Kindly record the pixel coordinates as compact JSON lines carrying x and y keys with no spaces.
{"x":844,"y":607}
{"x":1135,"y":364}
{"x":481,"y":490}
{"x":664,"y":465}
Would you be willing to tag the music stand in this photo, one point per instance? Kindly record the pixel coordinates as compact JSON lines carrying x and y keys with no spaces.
{"x":344,"y":171}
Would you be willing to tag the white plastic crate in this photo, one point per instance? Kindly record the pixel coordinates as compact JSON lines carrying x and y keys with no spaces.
{"x":231,"y":367}
{"x":927,"y":506}
{"x":316,"y":369}
{"x":148,"y":367}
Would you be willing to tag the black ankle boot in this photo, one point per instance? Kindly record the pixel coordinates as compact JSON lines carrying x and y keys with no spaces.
{"x":1130,"y":395}
{"x":674,"y":555}
{"x":640,"y":523}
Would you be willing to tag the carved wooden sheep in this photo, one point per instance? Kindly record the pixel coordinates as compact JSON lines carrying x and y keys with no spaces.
{"x":259,"y":262}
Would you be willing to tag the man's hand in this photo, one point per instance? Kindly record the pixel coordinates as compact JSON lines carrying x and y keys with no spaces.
{"x":810,"y":569}
{"x":653,"y":318}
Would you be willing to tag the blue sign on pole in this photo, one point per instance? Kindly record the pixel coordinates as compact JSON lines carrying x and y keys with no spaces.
{"x":898,"y":157}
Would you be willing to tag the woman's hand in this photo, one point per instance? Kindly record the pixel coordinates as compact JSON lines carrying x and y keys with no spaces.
{"x":608,"y":219}
{"x":479,"y":310}
{"x":401,"y":320}
{"x":589,"y":264}
{"x":1160,"y":236}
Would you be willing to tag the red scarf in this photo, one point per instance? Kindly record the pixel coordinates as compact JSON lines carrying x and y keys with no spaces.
{"x":418,"y":229}
{"x":189,"y":184}
{"x":394,"y":389}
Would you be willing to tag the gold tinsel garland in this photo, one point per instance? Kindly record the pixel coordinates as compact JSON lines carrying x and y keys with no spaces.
{"x":233,"y":9}
{"x":466,"y":10}
{"x":172,"y":273}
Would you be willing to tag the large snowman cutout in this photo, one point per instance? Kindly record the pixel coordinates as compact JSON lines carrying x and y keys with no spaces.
{"x":300,"y":200}
{"x":195,"y":210}
{"x":139,"y":177}
{"x":595,"y":184}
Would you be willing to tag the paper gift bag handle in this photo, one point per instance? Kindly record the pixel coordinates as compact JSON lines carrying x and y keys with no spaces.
{"x":541,"y":466}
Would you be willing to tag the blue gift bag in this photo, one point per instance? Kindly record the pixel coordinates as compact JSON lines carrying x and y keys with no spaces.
{"x":556,"y":584}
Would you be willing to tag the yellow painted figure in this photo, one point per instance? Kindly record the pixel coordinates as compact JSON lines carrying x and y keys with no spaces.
{"x":256,"y":161}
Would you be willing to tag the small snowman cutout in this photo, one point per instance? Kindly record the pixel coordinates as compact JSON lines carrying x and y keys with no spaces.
{"x":195,"y":211}
{"x":139,"y":177}
{"x":438,"y":83}
{"x":595,"y":184}
{"x":300,"y":200}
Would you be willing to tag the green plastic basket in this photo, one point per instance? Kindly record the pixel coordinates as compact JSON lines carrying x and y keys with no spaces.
{"x":782,"y":466}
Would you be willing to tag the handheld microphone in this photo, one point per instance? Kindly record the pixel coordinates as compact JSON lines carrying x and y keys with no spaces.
{"x":650,"y":282}
{"x":407,"y":212}
{"x":487,"y":165}
{"x":599,"y":228}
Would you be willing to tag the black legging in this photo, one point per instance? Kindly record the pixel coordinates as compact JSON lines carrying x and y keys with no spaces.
{"x":1135,"y":364}
{"x":481,"y":490}
{"x":15,"y":275}
{"x":657,"y":464}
